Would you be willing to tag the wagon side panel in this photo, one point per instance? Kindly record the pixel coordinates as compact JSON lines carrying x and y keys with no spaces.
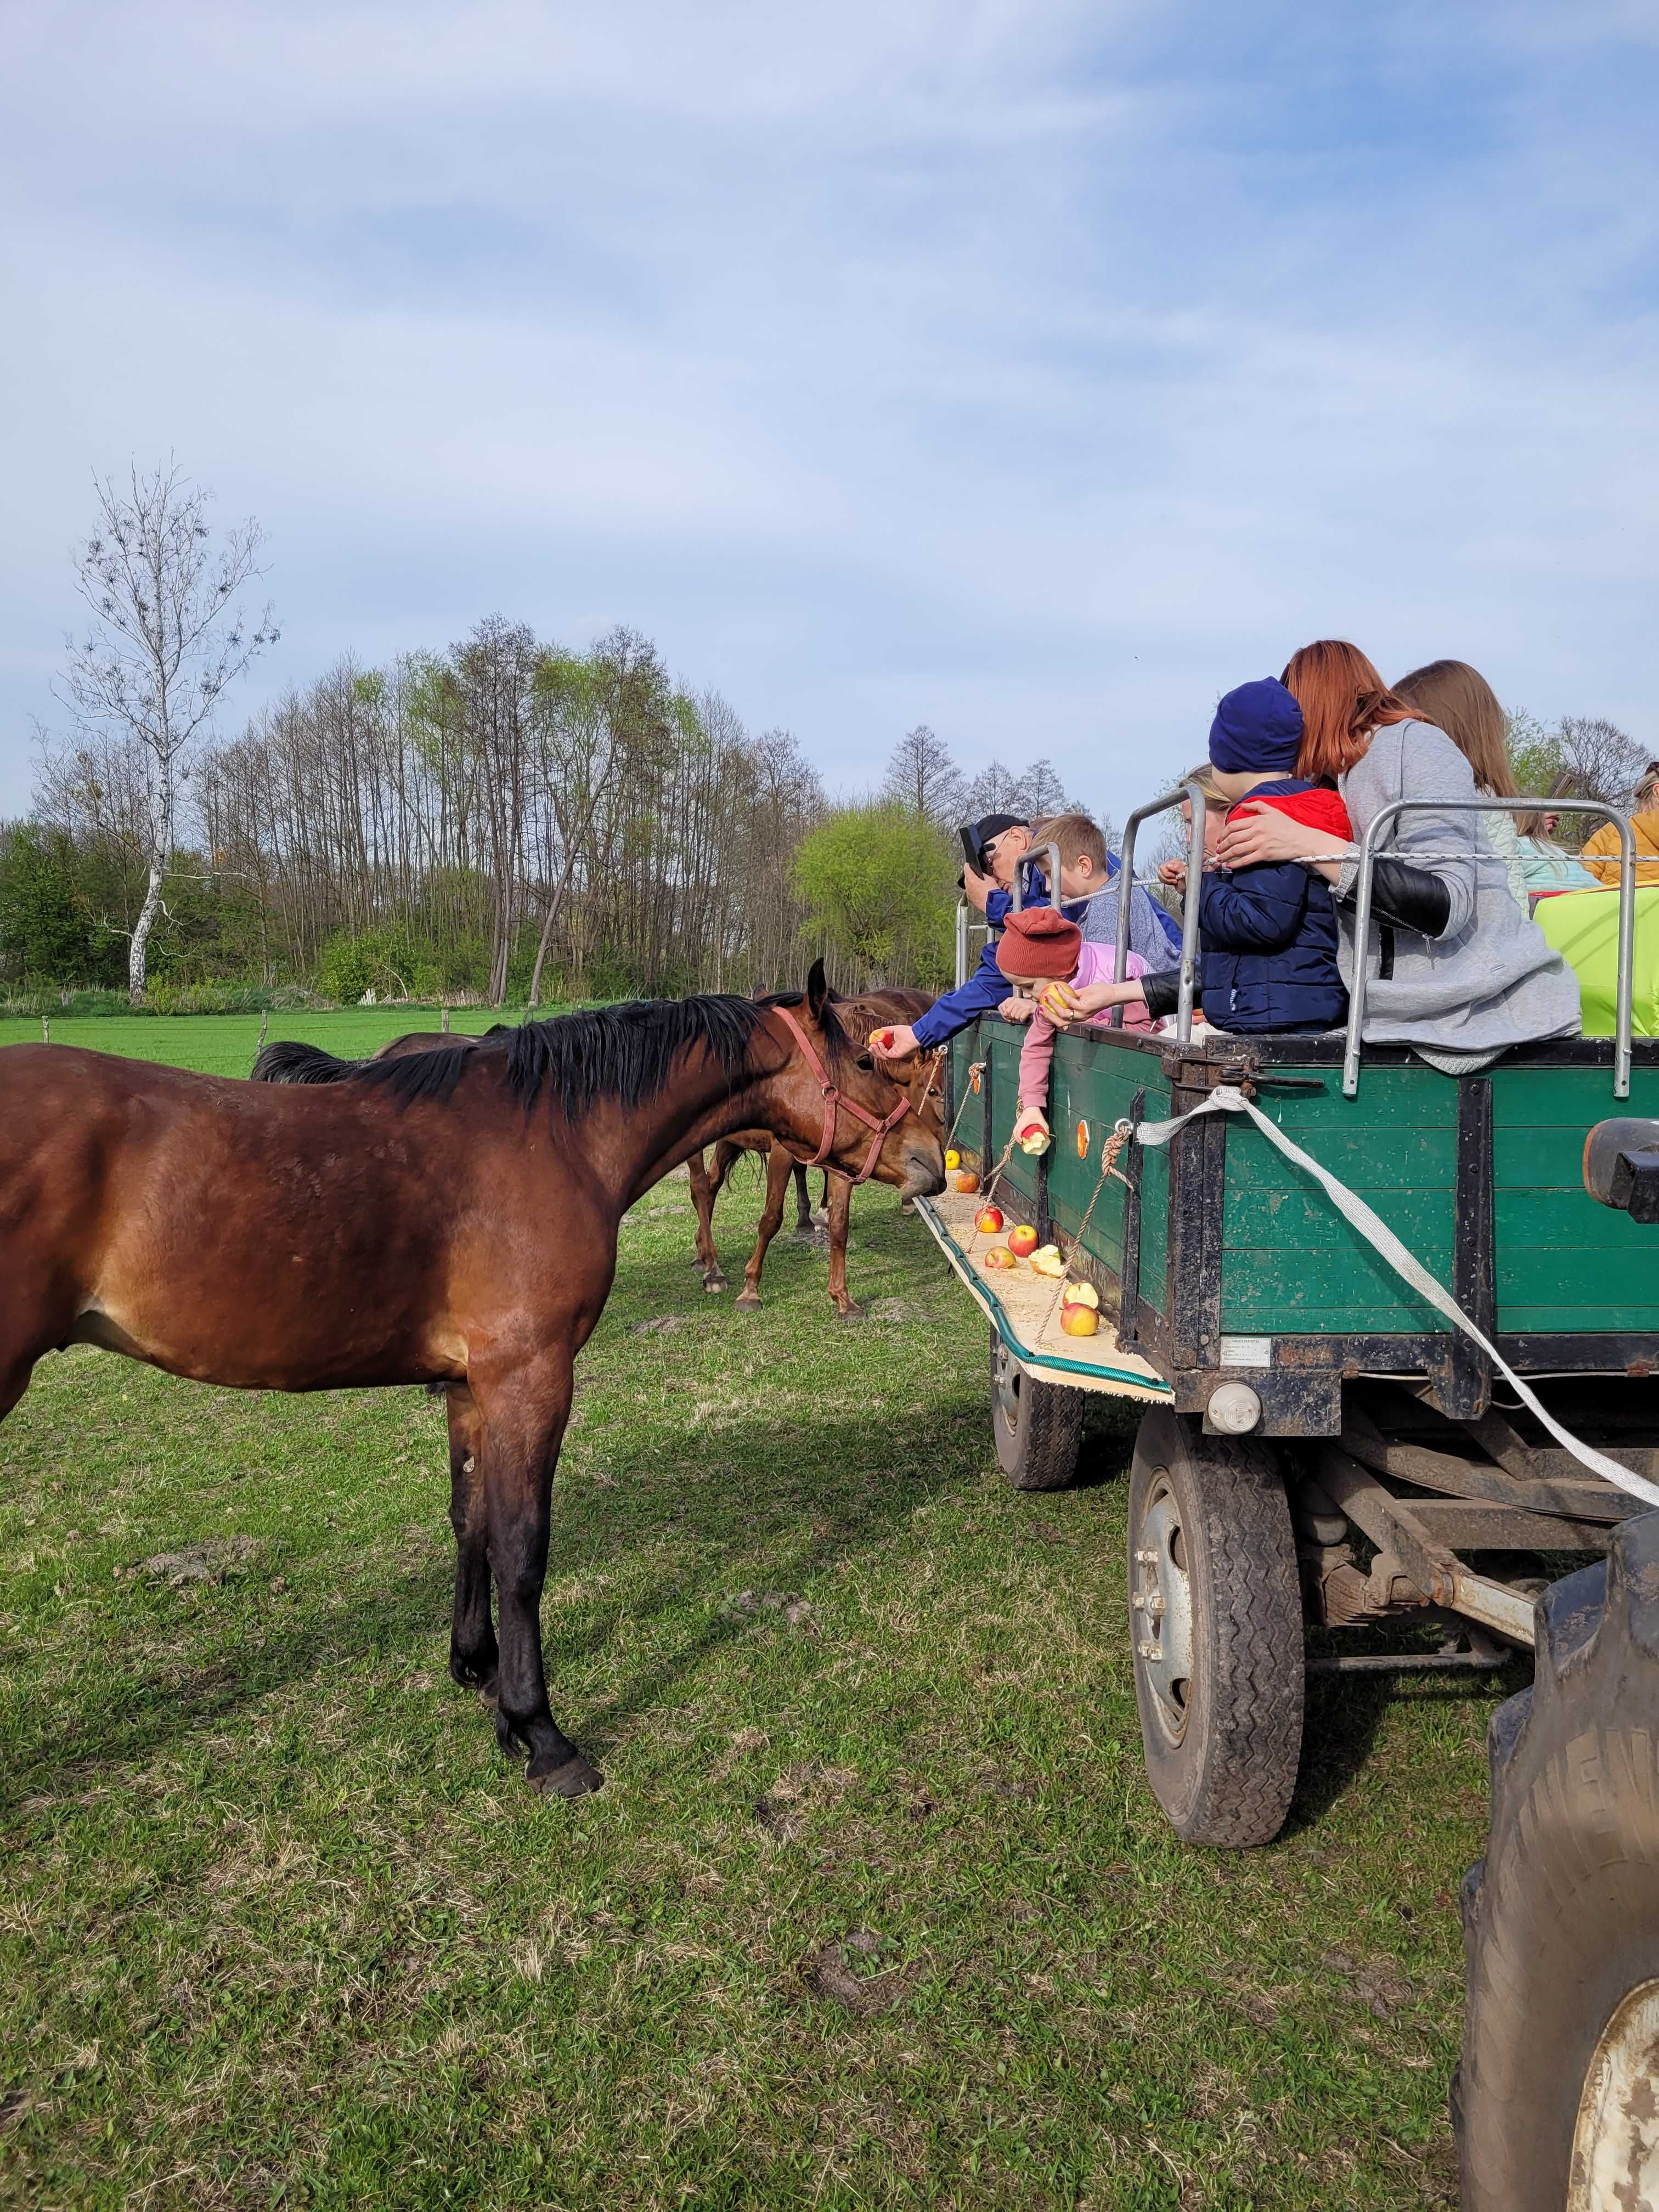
{"x":1565,"y":1265}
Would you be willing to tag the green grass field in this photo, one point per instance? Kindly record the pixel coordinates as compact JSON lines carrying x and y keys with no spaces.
{"x":876,"y":1908}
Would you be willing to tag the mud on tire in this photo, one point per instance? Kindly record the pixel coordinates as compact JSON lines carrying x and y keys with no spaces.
{"x":1215,"y":1621}
{"x":1038,"y":1427}
{"x":1556,"y":2102}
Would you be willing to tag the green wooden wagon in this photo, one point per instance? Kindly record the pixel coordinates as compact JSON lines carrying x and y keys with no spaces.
{"x":1320,"y":1446}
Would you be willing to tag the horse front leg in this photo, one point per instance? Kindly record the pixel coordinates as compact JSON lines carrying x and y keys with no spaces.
{"x":473,"y":1656}
{"x":779,"y":1166}
{"x":841,"y":1215}
{"x":707,"y":1262}
{"x":524,"y":1415}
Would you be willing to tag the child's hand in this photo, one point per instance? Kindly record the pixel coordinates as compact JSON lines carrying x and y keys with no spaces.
{"x":1173,"y":872}
{"x":1016,"y":1009}
{"x":894,"y":1043}
{"x":1031,"y":1130}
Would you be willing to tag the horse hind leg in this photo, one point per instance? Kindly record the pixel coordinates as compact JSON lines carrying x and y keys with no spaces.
{"x":706,"y":1260}
{"x":806,"y":1227}
{"x":474,"y":1658}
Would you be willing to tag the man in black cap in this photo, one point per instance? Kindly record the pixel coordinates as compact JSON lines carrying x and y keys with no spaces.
{"x":1000,"y":840}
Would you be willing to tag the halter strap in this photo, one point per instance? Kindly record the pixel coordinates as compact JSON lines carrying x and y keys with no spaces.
{"x":834,"y":1100}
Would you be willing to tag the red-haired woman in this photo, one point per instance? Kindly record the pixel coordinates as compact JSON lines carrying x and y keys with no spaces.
{"x":1455,"y":968}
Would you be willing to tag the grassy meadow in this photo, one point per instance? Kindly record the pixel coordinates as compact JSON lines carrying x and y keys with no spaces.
{"x":876,"y":1908}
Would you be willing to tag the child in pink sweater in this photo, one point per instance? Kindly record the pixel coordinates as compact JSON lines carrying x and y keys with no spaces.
{"x":1040,"y":946}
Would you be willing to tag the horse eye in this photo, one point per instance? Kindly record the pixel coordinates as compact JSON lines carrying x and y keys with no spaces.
{"x":866,"y":1062}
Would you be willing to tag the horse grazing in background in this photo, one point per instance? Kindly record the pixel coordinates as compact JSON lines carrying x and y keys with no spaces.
{"x":449,"y":1218}
{"x":917,"y":1075}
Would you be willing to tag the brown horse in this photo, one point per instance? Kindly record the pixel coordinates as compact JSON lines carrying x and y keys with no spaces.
{"x":447,"y":1219}
{"x":917,"y":1075}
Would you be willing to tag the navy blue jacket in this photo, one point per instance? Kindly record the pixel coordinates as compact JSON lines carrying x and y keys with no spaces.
{"x":1269,"y":937}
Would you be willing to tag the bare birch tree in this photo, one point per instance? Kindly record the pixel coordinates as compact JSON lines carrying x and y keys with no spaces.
{"x":165,"y":642}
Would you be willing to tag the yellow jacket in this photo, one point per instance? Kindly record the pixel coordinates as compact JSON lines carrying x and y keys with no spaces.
{"x":1605,"y":843}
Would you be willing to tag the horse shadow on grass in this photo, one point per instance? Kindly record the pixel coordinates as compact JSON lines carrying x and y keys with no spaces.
{"x":839,"y":1506}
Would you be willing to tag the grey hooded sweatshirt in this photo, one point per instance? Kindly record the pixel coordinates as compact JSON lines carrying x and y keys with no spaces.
{"x":1492,"y":980}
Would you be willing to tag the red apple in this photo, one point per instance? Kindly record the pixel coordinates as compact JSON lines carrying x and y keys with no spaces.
{"x":1023,"y":1241}
{"x":998,"y":1256}
{"x":1078,"y":1321}
{"x":967,"y":1182}
{"x":988,"y":1220}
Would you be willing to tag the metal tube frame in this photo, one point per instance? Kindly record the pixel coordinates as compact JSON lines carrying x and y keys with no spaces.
{"x":1193,"y":794}
{"x":1362,"y":913}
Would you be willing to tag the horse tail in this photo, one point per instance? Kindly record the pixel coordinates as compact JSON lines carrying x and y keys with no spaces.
{"x":290,"y":1062}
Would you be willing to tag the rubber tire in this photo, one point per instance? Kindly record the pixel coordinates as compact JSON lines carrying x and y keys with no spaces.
{"x":1230,"y":1778}
{"x":1036,"y":1450}
{"x":1561,"y":1917}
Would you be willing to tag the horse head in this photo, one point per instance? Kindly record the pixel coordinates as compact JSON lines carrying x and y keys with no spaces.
{"x":849,"y":1104}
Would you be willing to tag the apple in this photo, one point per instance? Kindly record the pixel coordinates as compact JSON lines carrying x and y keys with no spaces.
{"x":1047,"y":1261}
{"x":988,"y":1220}
{"x":1078,"y":1321}
{"x":953,"y":1159}
{"x":1023,"y":1241}
{"x":967,"y":1181}
{"x":998,"y":1256}
{"x":1077,"y":1294}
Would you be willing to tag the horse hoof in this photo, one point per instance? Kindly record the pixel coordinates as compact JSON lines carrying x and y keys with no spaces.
{"x":748,"y":1302}
{"x":573,"y":1779}
{"x":715,"y":1285}
{"x":851,"y":1311}
{"x":489,"y":1692}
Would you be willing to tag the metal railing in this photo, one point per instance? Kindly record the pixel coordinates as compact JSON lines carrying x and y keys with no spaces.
{"x":1192,"y":795}
{"x":1368,"y":856}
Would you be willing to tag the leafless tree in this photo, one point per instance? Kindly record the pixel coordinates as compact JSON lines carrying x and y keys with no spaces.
{"x":164,"y":643}
{"x":1603,"y":760}
{"x":922,"y":775}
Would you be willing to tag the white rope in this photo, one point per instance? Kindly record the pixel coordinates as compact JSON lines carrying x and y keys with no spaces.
{"x":1226,"y":1099}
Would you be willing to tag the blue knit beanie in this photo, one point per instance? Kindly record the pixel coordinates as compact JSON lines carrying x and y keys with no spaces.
{"x":1257,"y":731}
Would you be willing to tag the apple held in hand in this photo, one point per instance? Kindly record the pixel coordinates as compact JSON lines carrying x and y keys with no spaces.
{"x":998,"y":1256}
{"x":989,"y":1221}
{"x":1023,"y":1241}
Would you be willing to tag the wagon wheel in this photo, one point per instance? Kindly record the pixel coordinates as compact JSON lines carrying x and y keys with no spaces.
{"x":1037,"y":1425}
{"x":1216,"y":1622}
{"x":1554,"y":2100}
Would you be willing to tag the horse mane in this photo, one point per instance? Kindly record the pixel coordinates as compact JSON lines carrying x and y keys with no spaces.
{"x":626,"y":1054}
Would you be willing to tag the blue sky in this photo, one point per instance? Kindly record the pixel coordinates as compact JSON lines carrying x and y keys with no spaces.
{"x":1033,"y":370}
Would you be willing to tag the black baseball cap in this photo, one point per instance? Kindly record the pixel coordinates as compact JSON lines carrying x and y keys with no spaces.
{"x":992,"y":825}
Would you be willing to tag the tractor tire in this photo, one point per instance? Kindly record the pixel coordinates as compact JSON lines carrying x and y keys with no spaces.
{"x":1556,"y":2101}
{"x":1215,"y":1620}
{"x":1038,"y":1427}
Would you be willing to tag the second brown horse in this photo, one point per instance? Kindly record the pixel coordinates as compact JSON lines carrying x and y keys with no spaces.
{"x":917,"y":1076}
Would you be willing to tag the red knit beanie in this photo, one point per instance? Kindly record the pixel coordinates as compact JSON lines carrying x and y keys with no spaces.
{"x":1038,"y":944}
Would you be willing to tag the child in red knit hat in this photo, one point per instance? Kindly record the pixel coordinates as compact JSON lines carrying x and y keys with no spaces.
{"x":1039,"y":945}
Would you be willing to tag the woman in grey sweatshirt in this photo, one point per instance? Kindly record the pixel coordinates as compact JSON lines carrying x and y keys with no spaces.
{"x":1455,"y":968}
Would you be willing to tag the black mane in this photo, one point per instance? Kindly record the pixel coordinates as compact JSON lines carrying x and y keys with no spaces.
{"x":625,"y":1053}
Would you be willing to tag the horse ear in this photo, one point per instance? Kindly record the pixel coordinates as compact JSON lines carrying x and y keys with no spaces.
{"x":818,"y":991}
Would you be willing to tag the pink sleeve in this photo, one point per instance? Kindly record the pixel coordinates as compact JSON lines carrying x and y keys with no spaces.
{"x":1035,"y":1057}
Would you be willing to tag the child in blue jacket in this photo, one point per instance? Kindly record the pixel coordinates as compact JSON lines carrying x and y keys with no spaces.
{"x":1268,"y":933}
